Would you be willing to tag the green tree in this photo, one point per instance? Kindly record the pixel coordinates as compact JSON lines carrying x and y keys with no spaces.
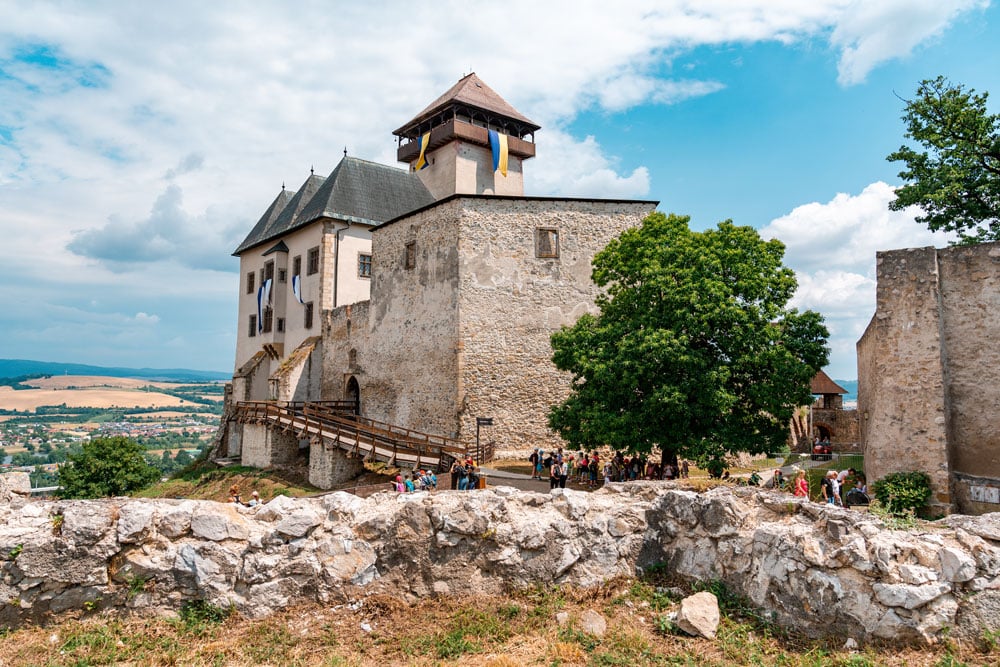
{"x":694,"y":350}
{"x":113,"y":466}
{"x":955,"y":179}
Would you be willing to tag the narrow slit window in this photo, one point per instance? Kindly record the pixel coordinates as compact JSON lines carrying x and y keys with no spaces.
{"x":410,"y":259}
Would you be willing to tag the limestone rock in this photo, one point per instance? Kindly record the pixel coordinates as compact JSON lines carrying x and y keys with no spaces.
{"x":593,"y":623}
{"x":699,"y":615}
{"x":956,"y":565}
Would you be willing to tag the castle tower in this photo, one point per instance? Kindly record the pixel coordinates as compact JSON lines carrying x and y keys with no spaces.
{"x":449,"y":146}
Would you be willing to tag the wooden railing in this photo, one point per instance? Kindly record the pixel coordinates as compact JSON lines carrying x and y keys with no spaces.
{"x":334,"y":423}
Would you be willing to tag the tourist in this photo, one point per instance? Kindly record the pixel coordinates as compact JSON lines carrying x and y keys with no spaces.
{"x":555,"y":473}
{"x":684,"y":469}
{"x":234,"y":495}
{"x":539,"y":463}
{"x":592,"y":469}
{"x":398,"y":484}
{"x":456,"y":474}
{"x":410,"y":488}
{"x":254,"y":499}
{"x":830,"y":489}
{"x":801,"y":485}
{"x":534,"y":463}
{"x":842,"y":478}
{"x":777,"y":481}
{"x":472,"y":476}
{"x":607,"y":472}
{"x":584,"y":468}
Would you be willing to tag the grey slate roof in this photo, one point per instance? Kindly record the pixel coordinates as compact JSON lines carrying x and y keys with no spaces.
{"x":259,"y":230}
{"x":367,"y":192}
{"x":355,"y":191}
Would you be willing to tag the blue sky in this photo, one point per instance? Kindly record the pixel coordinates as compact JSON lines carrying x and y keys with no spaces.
{"x":139,"y":143}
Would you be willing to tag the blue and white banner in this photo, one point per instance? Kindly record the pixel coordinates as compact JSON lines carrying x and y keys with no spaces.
{"x":297,"y":288}
{"x":260,"y":309}
{"x":267,"y":292}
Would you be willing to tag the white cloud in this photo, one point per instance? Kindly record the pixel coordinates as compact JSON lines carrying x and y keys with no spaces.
{"x":139,"y":142}
{"x":870,"y":33}
{"x":832,"y":249}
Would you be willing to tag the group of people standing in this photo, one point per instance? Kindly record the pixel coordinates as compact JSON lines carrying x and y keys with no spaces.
{"x":589,"y":468}
{"x":832,"y":488}
{"x":419,"y":480}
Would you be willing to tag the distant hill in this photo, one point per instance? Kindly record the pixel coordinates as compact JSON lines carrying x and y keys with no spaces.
{"x":852,"y":389}
{"x":14,"y":368}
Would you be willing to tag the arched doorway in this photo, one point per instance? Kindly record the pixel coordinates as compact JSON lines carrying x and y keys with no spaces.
{"x":353,"y":393}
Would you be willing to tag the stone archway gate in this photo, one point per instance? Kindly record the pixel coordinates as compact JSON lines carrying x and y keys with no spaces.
{"x":333,"y":426}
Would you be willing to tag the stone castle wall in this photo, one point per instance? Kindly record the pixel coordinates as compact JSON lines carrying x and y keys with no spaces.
{"x":405,"y":338}
{"x":928,"y":370}
{"x":819,"y":569}
{"x":511,"y":301}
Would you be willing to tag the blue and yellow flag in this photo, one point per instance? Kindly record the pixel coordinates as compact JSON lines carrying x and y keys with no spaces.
{"x":422,"y":161}
{"x":498,"y":144}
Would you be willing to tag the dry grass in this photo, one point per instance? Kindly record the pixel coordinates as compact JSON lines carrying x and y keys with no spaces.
{"x":516,"y":630}
{"x":90,"y":381}
{"x":96,"y":397}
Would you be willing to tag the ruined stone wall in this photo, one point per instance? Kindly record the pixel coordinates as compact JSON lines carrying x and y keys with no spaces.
{"x":970,"y":296}
{"x":512,"y":301}
{"x":819,"y":569}
{"x":844,"y":425}
{"x":929,"y":372}
{"x":298,"y":376}
{"x":329,"y":466}
{"x":901,"y":394}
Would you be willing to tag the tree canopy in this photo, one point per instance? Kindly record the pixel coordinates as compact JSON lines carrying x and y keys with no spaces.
{"x":114,"y":466}
{"x":694,"y":350}
{"x":955,"y":179}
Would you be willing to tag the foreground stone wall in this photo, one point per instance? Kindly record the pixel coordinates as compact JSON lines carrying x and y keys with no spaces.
{"x":820,"y":569}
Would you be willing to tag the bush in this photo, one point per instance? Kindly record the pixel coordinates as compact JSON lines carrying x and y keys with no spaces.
{"x":902,"y":492}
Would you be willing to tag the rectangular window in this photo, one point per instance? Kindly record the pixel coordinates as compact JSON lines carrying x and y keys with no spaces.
{"x":364,"y":266}
{"x":252,"y":331}
{"x":297,"y":265}
{"x":269,"y":270}
{"x":546,"y":242}
{"x":309,"y":315}
{"x":251,"y":282}
{"x":282,"y":275}
{"x":268,"y":320}
{"x":410,"y":260}
{"x":313,"y":266}
{"x":281,"y":325}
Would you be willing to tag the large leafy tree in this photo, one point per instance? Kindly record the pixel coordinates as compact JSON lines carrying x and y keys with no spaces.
{"x":114,"y":466}
{"x":955,"y":178}
{"x":694,"y":351}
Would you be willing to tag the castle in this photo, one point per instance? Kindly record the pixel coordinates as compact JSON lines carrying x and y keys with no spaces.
{"x":422,"y":299}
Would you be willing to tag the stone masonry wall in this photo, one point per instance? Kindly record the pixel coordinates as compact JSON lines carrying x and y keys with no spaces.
{"x":970,"y":290}
{"x":929,"y":371}
{"x":901,"y":394}
{"x":819,"y":569}
{"x":511,"y":301}
{"x":405,"y":337}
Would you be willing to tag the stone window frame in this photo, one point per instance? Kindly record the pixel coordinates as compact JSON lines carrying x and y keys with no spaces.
{"x":364,"y":265}
{"x":252,"y":331}
{"x":282,"y":275}
{"x":547,"y":242}
{"x":307,"y":319}
{"x":280,"y":327}
{"x":410,"y":255}
{"x":297,"y":265}
{"x":251,"y":281}
{"x":267,"y":273}
{"x":268,"y":320}
{"x":312,"y":264}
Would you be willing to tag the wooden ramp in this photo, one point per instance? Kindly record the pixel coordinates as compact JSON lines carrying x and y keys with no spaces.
{"x":334,"y":424}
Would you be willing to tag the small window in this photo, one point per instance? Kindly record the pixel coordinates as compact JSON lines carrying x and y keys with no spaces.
{"x":313,"y":266}
{"x":268,"y":320}
{"x":251,"y":282}
{"x":252,"y":331}
{"x":297,"y":265}
{"x":410,"y":260}
{"x":364,"y":266}
{"x":269,"y":270}
{"x":282,"y":275}
{"x":309,"y":315}
{"x":281,"y":325}
{"x":546,"y":242}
